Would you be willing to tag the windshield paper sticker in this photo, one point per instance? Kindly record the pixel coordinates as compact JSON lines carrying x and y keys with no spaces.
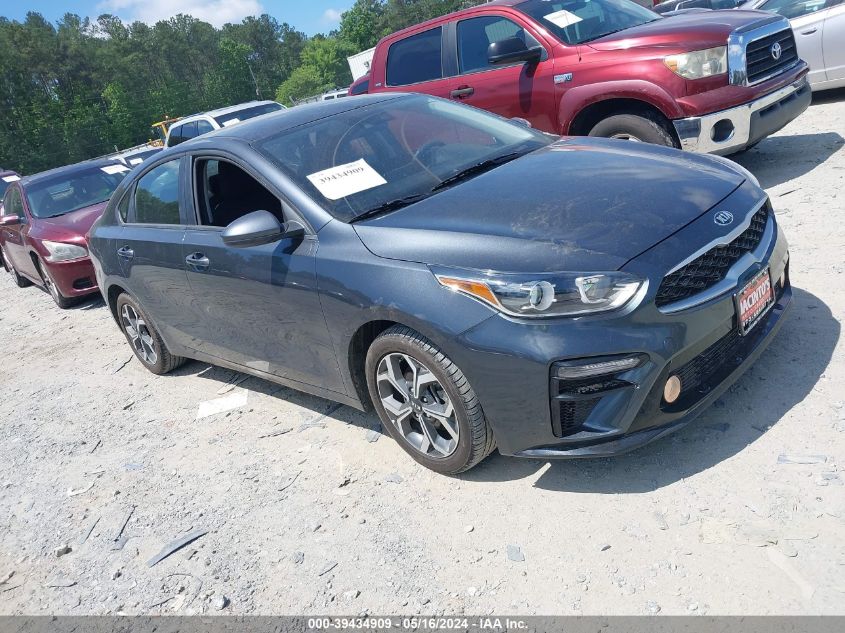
{"x":114,"y":169}
{"x":344,"y":180}
{"x":562,"y":18}
{"x":12,"y":178}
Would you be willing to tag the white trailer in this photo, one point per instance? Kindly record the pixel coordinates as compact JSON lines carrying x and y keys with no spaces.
{"x":359,"y":63}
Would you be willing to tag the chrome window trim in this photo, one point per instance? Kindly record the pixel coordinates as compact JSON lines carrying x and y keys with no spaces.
{"x":738,"y":41}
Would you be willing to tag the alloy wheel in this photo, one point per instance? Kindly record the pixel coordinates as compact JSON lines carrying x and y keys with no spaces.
{"x":139,"y":334}
{"x":51,"y":286}
{"x":417,"y":405}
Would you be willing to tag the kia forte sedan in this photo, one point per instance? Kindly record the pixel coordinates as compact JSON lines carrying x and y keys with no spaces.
{"x":478,"y":283}
{"x":43,"y":225}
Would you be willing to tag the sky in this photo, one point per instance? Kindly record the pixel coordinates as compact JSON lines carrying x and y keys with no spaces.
{"x":310,"y":16}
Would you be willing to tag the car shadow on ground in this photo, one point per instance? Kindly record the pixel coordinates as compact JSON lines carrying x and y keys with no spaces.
{"x":780,"y":379}
{"x":779,"y":159}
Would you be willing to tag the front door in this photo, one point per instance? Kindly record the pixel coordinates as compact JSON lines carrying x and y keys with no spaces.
{"x":524,"y":90}
{"x":833,"y":42}
{"x":14,"y":236}
{"x":255,"y":306}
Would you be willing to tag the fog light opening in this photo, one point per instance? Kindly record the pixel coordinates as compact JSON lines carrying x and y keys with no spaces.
{"x":722,"y":131}
{"x":672,"y":389}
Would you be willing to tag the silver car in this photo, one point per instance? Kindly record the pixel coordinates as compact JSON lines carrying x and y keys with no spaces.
{"x":819,"y":27}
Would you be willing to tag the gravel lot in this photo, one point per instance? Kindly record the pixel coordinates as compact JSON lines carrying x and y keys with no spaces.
{"x":309,"y":510}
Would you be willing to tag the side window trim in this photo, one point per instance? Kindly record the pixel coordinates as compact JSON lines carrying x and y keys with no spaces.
{"x":131,"y":217}
{"x":287,"y":206}
{"x":540,"y":42}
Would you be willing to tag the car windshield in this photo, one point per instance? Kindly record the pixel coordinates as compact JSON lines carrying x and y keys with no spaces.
{"x":579,"y":21}
{"x":68,"y":192}
{"x":795,"y":8}
{"x":237,"y":116}
{"x":381,"y":155}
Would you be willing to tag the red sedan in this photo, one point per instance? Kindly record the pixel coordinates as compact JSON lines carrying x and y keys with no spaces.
{"x":44,"y":223}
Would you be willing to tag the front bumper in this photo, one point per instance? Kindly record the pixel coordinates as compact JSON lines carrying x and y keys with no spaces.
{"x":511,"y":364}
{"x":73,"y":278}
{"x":738,"y":128}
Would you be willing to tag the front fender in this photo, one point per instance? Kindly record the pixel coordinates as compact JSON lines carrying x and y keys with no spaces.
{"x":577,"y":98}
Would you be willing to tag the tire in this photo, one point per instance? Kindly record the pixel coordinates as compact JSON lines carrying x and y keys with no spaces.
{"x":644,"y":127}
{"x":429,"y":439}
{"x":20,"y":282}
{"x":50,"y":285}
{"x":149,"y":348}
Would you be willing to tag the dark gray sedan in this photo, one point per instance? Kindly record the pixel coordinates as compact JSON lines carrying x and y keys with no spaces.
{"x":478,"y":283}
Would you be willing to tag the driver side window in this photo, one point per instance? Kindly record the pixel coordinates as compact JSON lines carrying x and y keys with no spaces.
{"x":476,"y":34}
{"x":225,"y":192}
{"x":13,"y":204}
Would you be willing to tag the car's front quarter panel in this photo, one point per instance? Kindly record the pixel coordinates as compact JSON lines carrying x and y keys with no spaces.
{"x":357,"y":288}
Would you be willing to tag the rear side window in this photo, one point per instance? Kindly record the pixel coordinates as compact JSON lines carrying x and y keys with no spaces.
{"x":189,"y":130}
{"x":204,"y":127}
{"x":476,"y":34}
{"x":237,"y":116}
{"x":415,"y":59}
{"x":157,"y":195}
{"x":175,"y":136}
{"x":360,"y":88}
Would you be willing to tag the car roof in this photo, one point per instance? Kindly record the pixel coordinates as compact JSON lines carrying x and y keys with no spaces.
{"x":226,"y":110}
{"x":68,"y":170}
{"x":450,"y":16}
{"x":260,"y":128}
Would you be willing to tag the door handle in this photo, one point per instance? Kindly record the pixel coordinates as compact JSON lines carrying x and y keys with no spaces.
{"x":809,"y":31}
{"x":198,"y":261}
{"x":463,"y":92}
{"x":125,"y":252}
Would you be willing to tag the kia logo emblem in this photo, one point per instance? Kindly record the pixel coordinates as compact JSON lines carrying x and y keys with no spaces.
{"x":776,"y":51}
{"x":723,"y":218}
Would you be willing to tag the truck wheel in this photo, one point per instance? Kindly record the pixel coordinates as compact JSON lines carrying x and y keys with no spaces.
{"x":635,"y":127}
{"x":426,"y":403}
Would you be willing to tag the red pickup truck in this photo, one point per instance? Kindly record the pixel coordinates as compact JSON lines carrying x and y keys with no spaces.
{"x":705,"y":81}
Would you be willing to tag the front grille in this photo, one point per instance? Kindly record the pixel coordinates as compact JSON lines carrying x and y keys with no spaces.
{"x":710,"y":268}
{"x":761,"y":64}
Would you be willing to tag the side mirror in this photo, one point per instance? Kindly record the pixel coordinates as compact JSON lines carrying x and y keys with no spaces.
{"x":511,"y":50}
{"x":9,"y":220}
{"x":253,"y":229}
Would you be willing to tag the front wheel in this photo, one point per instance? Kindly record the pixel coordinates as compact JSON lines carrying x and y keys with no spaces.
{"x":635,"y":127}
{"x":426,"y":403}
{"x":145,"y":341}
{"x":50,"y":284}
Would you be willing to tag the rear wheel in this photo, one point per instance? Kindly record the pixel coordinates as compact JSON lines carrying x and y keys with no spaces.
{"x":20,"y":282}
{"x":426,"y":403}
{"x":145,"y":341}
{"x":645,"y":128}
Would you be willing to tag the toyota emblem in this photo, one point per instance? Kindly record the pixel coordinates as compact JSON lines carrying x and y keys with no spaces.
{"x":776,"y":51}
{"x":723,"y":218}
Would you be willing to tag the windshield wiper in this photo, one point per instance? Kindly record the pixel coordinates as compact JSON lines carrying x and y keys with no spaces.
{"x":389,"y":206}
{"x":478,"y":168}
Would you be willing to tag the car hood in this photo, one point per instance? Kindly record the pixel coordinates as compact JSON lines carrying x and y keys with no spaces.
{"x":689,"y":31}
{"x":578,"y":204}
{"x":71,"y":225}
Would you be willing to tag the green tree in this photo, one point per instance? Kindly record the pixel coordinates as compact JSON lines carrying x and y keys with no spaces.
{"x":363,"y":24}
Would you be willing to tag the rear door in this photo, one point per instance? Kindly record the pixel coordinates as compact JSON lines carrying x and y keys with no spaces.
{"x":417,"y":63}
{"x":807,"y":21}
{"x":256,"y":306}
{"x":149,"y":247}
{"x":833,"y":41}
{"x":514,"y":90}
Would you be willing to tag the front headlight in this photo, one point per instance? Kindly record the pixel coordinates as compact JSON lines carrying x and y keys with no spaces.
{"x":546,"y":294}
{"x":699,"y":64}
{"x":60,"y":252}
